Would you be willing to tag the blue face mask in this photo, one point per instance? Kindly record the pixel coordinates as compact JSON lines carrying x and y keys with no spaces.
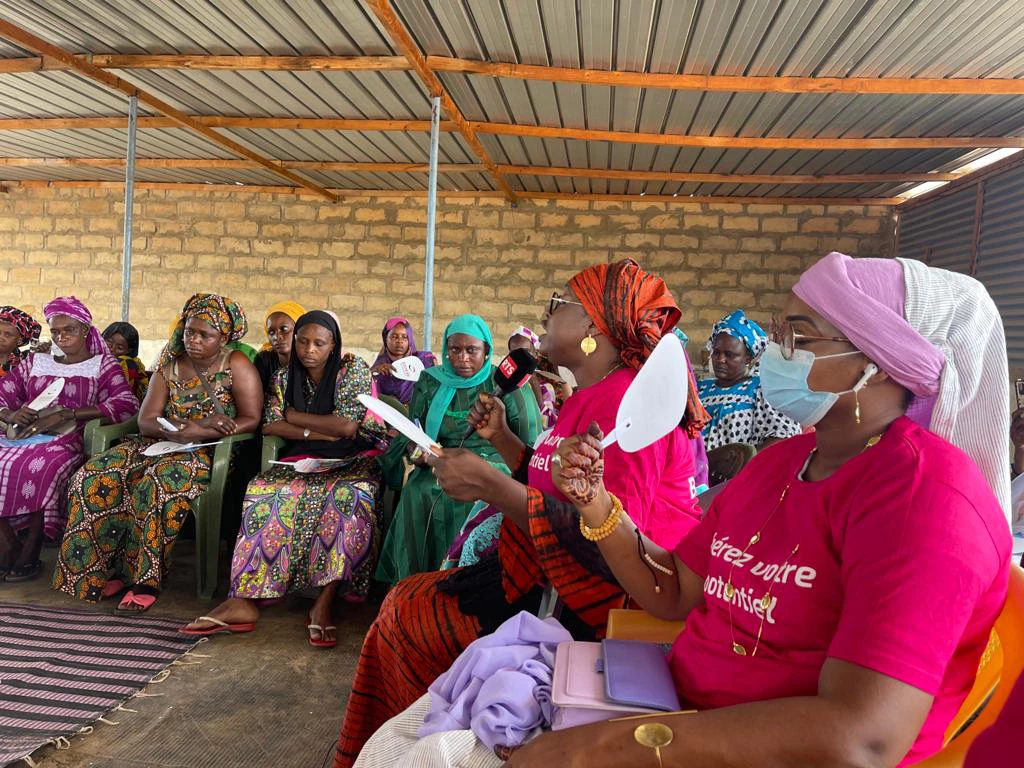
{"x":784,"y":384}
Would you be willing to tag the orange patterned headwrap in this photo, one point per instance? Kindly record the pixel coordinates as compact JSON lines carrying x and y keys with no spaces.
{"x":634,"y":309}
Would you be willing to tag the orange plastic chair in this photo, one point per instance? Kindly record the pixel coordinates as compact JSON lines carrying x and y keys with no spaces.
{"x":1001,"y":665}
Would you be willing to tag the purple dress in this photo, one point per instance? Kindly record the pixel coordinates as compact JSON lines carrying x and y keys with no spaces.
{"x":33,"y":478}
{"x":389,"y":385}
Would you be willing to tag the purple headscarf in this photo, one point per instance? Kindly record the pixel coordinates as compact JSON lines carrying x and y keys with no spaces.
{"x":389,"y":385}
{"x":71,"y":307}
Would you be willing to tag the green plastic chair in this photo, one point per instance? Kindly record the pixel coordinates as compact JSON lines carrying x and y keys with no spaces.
{"x":207,"y":508}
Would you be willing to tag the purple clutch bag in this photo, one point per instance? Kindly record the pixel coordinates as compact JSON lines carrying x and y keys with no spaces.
{"x":637,"y":674}
{"x":593,"y":682}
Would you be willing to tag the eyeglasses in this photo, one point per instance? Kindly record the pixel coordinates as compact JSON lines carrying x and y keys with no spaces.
{"x":69,"y":330}
{"x":782,"y":333}
{"x":556,"y":300}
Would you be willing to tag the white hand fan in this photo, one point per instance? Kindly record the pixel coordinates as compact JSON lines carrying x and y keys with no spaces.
{"x":408,"y":368}
{"x":401,"y":423}
{"x":48,"y":396}
{"x":655,"y":402}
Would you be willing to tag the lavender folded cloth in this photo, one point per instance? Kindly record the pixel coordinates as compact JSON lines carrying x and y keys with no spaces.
{"x":500,"y":686}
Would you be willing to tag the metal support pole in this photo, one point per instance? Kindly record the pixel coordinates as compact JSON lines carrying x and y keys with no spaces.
{"x":129,"y":200}
{"x":428,"y":277}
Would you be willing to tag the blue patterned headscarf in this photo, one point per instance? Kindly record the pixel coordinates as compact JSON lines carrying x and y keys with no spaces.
{"x":741,"y":327}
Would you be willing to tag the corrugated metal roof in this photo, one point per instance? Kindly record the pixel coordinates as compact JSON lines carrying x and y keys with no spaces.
{"x":902,"y":38}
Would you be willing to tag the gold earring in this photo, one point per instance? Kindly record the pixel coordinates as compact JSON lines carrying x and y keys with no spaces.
{"x":856,"y":412}
{"x":588,"y":345}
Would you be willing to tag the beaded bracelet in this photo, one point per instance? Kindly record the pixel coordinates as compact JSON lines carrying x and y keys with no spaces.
{"x":607,"y":528}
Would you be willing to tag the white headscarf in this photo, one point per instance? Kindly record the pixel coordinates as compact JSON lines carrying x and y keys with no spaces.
{"x":955,"y":313}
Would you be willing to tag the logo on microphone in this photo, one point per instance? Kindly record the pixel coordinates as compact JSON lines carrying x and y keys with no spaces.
{"x":508,"y":367}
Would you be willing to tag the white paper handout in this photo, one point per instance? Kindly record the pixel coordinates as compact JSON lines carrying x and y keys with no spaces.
{"x":401,"y":423}
{"x":310,"y":465}
{"x":655,"y":402}
{"x":48,"y":396}
{"x":408,"y":368}
{"x":167,"y":447}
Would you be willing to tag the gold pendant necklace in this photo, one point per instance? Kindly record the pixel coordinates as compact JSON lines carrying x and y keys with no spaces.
{"x":766,"y":600}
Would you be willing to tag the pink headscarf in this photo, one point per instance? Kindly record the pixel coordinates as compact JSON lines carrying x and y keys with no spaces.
{"x":71,"y":307}
{"x":939,"y":334}
{"x":865,"y":299}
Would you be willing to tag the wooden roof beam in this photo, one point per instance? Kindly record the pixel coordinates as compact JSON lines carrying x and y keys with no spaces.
{"x":675,"y":199}
{"x":218,"y":121}
{"x":388,"y":19}
{"x":669,"y":81}
{"x":534,"y":170}
{"x":505,"y":129}
{"x":27,"y":40}
{"x":749,"y":142}
{"x":232,"y":164}
{"x":732,"y":84}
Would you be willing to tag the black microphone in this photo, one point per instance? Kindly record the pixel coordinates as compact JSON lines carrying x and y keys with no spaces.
{"x":513,"y":372}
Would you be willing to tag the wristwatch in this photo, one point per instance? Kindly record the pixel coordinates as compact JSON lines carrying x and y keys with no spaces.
{"x":305,"y":434}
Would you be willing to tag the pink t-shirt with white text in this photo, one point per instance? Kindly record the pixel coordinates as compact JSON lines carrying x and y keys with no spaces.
{"x":656,"y":485}
{"x":902,"y":567}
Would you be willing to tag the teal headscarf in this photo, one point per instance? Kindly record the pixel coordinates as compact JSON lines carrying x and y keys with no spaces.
{"x":450,"y":381}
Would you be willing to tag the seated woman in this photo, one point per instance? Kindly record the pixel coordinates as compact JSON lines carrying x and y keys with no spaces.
{"x":840,"y":592}
{"x":739,"y":412}
{"x":33,"y":475}
{"x":123,"y":342}
{"x":125,"y":508}
{"x":275,"y":354}
{"x":602,"y":328}
{"x":17,"y":329}
{"x":479,"y":534}
{"x":309,"y":530}
{"x":427,"y":519}
{"x":399,"y":342}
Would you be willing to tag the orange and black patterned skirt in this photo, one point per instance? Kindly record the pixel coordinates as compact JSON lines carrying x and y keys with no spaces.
{"x":423,"y":626}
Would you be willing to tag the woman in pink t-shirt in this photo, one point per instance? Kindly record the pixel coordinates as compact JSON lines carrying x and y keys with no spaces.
{"x":840,"y":591}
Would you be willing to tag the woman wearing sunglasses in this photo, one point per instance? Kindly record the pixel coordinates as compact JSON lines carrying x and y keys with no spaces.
{"x":602,"y":327}
{"x":840,"y":591}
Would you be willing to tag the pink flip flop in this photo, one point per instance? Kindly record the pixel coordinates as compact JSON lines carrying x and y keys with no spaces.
{"x":218,"y":628}
{"x":132,"y":604}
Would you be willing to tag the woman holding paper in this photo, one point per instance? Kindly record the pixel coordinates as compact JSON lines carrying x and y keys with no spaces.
{"x":87,"y":383}
{"x":126,"y":508}
{"x":840,"y":591}
{"x":318,"y":529}
{"x":602,"y":327}
{"x":427,"y":519}
{"x":398,"y":342}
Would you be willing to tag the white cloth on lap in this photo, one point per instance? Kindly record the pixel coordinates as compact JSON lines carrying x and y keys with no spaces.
{"x":396,"y":744}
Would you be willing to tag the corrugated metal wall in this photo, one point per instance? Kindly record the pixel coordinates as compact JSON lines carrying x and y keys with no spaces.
{"x":1001,"y":254}
{"x":942,"y":233}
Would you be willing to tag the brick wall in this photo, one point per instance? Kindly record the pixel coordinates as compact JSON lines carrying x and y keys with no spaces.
{"x":363,"y":258}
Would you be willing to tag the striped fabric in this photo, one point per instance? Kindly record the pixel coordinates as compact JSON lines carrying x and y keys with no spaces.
{"x":62,"y":669}
{"x":420,"y":631}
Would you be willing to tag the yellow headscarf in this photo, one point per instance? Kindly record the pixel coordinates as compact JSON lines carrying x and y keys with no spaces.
{"x":293,"y":309}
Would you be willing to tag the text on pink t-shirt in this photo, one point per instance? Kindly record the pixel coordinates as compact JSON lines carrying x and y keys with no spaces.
{"x":902,"y":568}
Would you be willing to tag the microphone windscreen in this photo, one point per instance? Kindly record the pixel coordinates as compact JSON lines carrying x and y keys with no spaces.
{"x":515,"y":370}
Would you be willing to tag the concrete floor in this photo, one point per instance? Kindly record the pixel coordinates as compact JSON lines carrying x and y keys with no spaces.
{"x":261,"y":699}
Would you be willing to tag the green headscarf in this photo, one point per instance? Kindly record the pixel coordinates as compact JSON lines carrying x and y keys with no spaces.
{"x":450,"y":381}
